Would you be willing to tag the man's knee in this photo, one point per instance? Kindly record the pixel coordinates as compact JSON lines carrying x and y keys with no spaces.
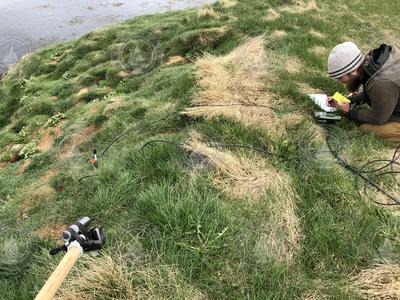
{"x":389,"y":131}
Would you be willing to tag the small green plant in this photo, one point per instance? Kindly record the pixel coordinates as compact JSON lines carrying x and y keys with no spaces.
{"x":24,"y":132}
{"x":66,"y":75}
{"x":29,"y":149}
{"x":23,"y":99}
{"x":54,"y":120}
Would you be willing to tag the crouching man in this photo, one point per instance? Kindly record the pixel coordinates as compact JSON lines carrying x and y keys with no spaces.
{"x":373,"y":80}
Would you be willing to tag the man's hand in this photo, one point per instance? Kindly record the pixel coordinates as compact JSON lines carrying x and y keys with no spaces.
{"x":345,"y":107}
{"x":331,"y":102}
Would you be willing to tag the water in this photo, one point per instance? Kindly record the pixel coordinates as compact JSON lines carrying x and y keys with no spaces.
{"x":26,"y":25}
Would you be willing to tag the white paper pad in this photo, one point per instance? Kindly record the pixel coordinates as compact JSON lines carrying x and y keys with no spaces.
{"x":320,"y":100}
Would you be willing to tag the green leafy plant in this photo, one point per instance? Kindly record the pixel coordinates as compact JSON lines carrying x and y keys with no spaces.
{"x":24,"y":132}
{"x":54,"y":120}
{"x":29,"y":149}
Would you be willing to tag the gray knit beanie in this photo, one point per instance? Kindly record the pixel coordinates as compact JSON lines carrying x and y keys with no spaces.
{"x":344,"y":59}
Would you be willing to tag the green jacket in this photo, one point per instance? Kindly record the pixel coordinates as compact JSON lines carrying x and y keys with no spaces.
{"x":381,"y":88}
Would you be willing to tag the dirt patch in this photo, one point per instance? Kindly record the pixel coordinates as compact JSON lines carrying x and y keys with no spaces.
{"x":234,"y":86}
{"x":48,"y":138}
{"x":69,"y":148}
{"x":174,"y":60}
{"x":379,"y":282}
{"x":123,"y":74}
{"x":318,"y":50}
{"x":272,"y":15}
{"x":301,"y":6}
{"x":83,"y":91}
{"x":3,"y":165}
{"x":317,"y":34}
{"x":92,"y":110}
{"x":48,"y":175}
{"x":53,"y":232}
{"x":24,"y":166}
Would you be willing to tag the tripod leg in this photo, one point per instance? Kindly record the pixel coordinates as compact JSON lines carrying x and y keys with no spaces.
{"x":54,"y":282}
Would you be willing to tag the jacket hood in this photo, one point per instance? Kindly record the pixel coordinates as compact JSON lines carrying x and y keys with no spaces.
{"x":377,"y":58}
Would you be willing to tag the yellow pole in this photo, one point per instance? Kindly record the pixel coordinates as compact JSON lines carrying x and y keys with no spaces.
{"x":54,"y":282}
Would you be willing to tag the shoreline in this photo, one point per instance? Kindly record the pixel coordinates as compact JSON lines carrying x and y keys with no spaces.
{"x":65,"y":22}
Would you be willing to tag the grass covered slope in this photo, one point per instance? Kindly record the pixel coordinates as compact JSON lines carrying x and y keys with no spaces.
{"x":186,"y":217}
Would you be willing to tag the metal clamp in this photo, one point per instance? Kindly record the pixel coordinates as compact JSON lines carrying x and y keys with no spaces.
{"x":90,"y":239}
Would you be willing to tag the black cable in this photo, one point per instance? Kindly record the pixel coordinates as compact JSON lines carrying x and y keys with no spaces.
{"x":160,"y":141}
{"x":232,"y":104}
{"x":129,"y":130}
{"x":216,"y":145}
{"x":361,"y":172}
{"x":117,"y":138}
{"x":136,"y":129}
{"x":87,"y":176}
{"x":260,"y":150}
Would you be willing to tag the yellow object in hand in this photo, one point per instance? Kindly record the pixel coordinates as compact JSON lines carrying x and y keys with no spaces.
{"x":340,"y":98}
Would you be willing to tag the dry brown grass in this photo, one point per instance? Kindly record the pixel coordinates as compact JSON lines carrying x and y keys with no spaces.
{"x":250,"y":179}
{"x":207,"y":12}
{"x":379,"y":282}
{"x":236,"y":176}
{"x":318,"y":132}
{"x":314,"y":295}
{"x":234,"y":86}
{"x":124,"y":74}
{"x":307,"y":89}
{"x":174,"y":59}
{"x":227,"y":3}
{"x":113,"y":278}
{"x":272,"y":15}
{"x":53,"y":231}
{"x":318,"y":50}
{"x":391,"y":38}
{"x":301,"y":6}
{"x":278,"y":34}
{"x":293,"y":65}
{"x":114,"y":103}
{"x":317,"y":34}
